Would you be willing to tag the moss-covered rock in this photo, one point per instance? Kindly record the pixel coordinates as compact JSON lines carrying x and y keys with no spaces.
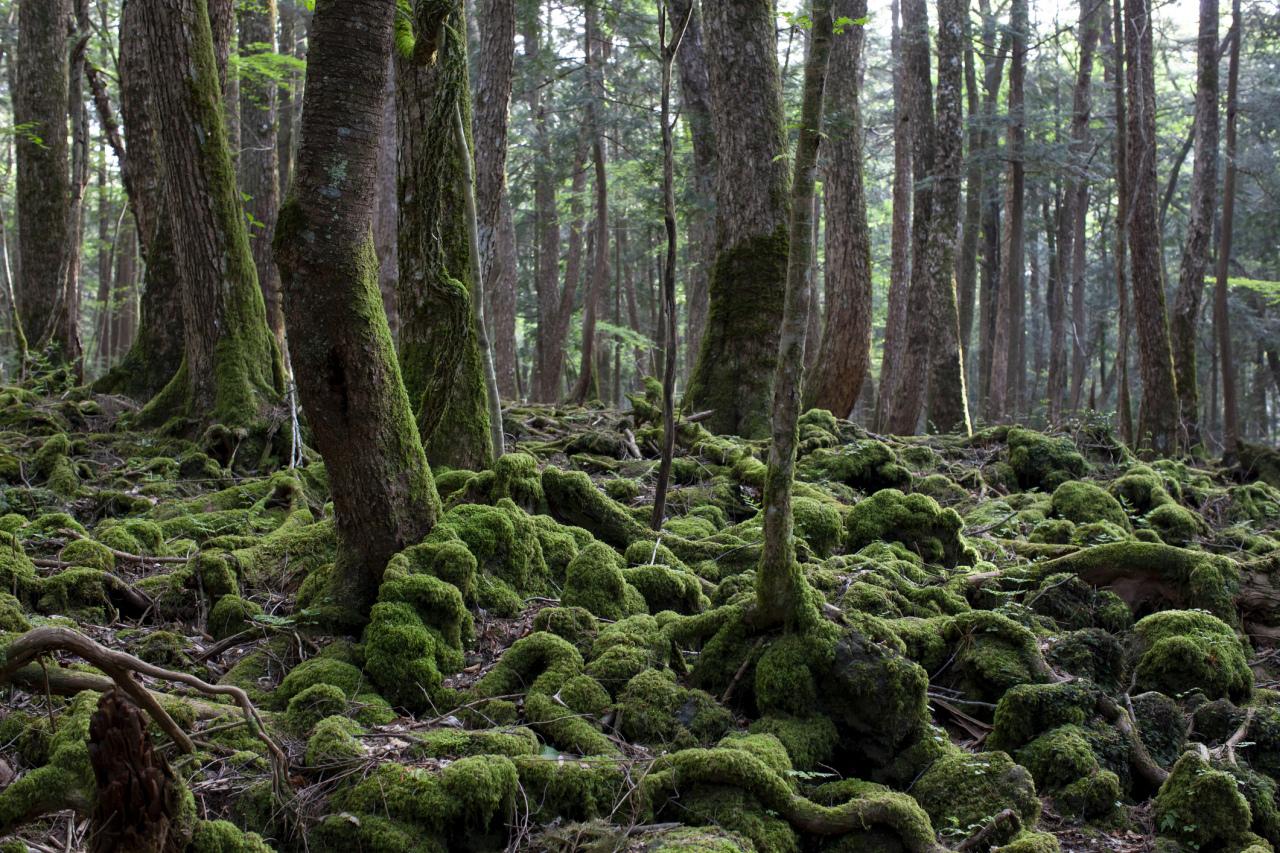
{"x":344,"y":676}
{"x":1180,"y":650}
{"x":1043,"y":462}
{"x":332,"y":744}
{"x":1176,"y":525}
{"x":867,"y":465}
{"x":594,"y":582}
{"x":1027,"y":711}
{"x":231,"y":615}
{"x":1202,"y":807}
{"x":1083,"y":503}
{"x":963,"y":792}
{"x":654,"y":709}
{"x":914,"y":520}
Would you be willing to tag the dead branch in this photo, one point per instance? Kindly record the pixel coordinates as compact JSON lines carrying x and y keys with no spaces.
{"x":1008,"y":815}
{"x":122,"y":555}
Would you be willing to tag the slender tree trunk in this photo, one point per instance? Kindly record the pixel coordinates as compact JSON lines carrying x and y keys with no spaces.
{"x":124,"y":294}
{"x":440,"y":357}
{"x":222,"y":21}
{"x":844,"y":350}
{"x":43,"y":180}
{"x":554,"y":376}
{"x":547,"y":219}
{"x":1115,"y":70}
{"x":989,"y":202}
{"x":258,"y":157}
{"x":1157,"y":418}
{"x":948,"y":408}
{"x":1092,"y":18}
{"x":967,"y":266}
{"x":1004,"y":346}
{"x":348,"y":377}
{"x":633,"y":303}
{"x":781,"y":589}
{"x":289,"y":33}
{"x":102,"y":323}
{"x":1057,"y":304}
{"x":65,"y":337}
{"x":1221,"y":316}
{"x":900,"y":238}
{"x":813,"y":325}
{"x":1195,"y":255}
{"x":232,"y":368}
{"x":497,"y":229}
{"x":734,"y":372}
{"x":386,"y":207}
{"x":587,"y":376}
{"x":695,"y":97}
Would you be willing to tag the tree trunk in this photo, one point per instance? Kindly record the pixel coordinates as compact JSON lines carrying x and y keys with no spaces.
{"x":65,"y":338}
{"x":497,"y":230}
{"x":554,"y":375}
{"x":781,"y":590}
{"x":222,"y":22}
{"x":844,"y":349}
{"x":386,"y":207}
{"x":734,"y":372}
{"x":347,"y":373}
{"x":1113,"y":68}
{"x":989,"y":203}
{"x":439,"y":342}
{"x":587,"y":375}
{"x":695,"y":98}
{"x":900,"y":238}
{"x":102,"y":323}
{"x":1092,"y":18}
{"x":1221,"y":316}
{"x":546,"y":217}
{"x":1004,"y":347}
{"x":967,"y":265}
{"x":1157,"y":417}
{"x":43,"y":180}
{"x":289,"y":35}
{"x":948,"y":408}
{"x":124,"y":299}
{"x":232,"y":368}
{"x":1195,"y":255}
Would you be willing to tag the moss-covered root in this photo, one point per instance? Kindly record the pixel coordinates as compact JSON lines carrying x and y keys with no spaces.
{"x":574,"y":500}
{"x":740,"y":768}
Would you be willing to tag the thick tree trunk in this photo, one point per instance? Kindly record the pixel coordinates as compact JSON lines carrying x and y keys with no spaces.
{"x":1157,"y":417}
{"x":348,"y":377}
{"x":587,"y":386}
{"x":43,"y":180}
{"x":695,"y":98}
{"x":1004,"y":345}
{"x":1195,"y":255}
{"x":258,"y":158}
{"x":781,"y":589}
{"x":900,"y":237}
{"x":1221,"y":316}
{"x":844,"y":349}
{"x":554,"y":375}
{"x":948,"y":404}
{"x":232,"y":368}
{"x":386,"y":207}
{"x":497,"y":230}
{"x":546,"y":218}
{"x":734,"y":373}
{"x":439,"y":342}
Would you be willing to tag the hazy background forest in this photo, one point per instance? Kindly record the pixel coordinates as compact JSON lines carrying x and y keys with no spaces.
{"x":546,"y":153}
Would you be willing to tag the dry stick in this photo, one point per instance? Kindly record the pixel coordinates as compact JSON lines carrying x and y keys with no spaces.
{"x":669,"y":270}
{"x":65,"y":682}
{"x":119,"y":665}
{"x":974,"y":840}
{"x":1147,"y":768}
{"x":1230,"y":746}
{"x":229,"y":642}
{"x":728,"y":691}
{"x":121,"y":555}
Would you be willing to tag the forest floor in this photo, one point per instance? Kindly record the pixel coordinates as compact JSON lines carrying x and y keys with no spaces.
{"x":1028,"y":642}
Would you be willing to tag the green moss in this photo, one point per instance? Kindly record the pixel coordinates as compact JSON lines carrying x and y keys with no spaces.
{"x":1043,"y":462}
{"x":459,"y":743}
{"x":571,"y":790}
{"x":654,"y":709}
{"x":594,"y":582}
{"x":963,"y":792}
{"x":1258,"y":502}
{"x":502,"y":539}
{"x":809,"y":741}
{"x":164,"y":649}
{"x":1084,"y":503}
{"x":312,"y":705}
{"x":1091,"y":653}
{"x":566,"y":729}
{"x":1058,"y":758}
{"x":623,"y":490}
{"x":1141,"y":490}
{"x":665,"y":588}
{"x":292,"y":551}
{"x":575,"y":501}
{"x":1175,"y":524}
{"x":627,"y":648}
{"x":231,"y":615}
{"x":439,"y":606}
{"x":915,"y":520}
{"x":66,"y":779}
{"x":818,"y":524}
{"x":332,"y":744}
{"x":574,"y":624}
{"x":538,"y":663}
{"x":1026,"y":711}
{"x":867,"y":465}
{"x":1161,"y":725}
{"x":1200,"y":806}
{"x":402,"y":656}
{"x":94,"y":555}
{"x":319,"y":670}
{"x":12,"y":620}
{"x":994,"y":653}
{"x":220,"y":836}
{"x":1179,"y":651}
{"x":52,"y":462}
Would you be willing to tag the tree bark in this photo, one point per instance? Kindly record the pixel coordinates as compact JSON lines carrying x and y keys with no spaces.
{"x":439,"y":342}
{"x":844,"y":349}
{"x":948,"y":405}
{"x":1157,"y":418}
{"x":734,"y":372}
{"x":232,"y":368}
{"x":1195,"y":255}
{"x":900,"y":237}
{"x":348,"y":377}
{"x":386,"y":208}
{"x":289,"y":36}
{"x":102,"y":322}
{"x":781,"y":589}
{"x":43,"y":180}
{"x":1221,"y":316}
{"x":1004,"y":346}
{"x":695,"y":100}
{"x":546,"y":217}
{"x":554,"y":375}
{"x":497,"y":230}
{"x":258,"y":157}
{"x":967,"y":266}
{"x":124,"y":298}
{"x":1124,"y":415}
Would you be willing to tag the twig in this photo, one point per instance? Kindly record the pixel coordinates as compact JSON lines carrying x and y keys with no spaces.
{"x":1008,"y":815}
{"x":728,"y":691}
{"x":1230,"y":746}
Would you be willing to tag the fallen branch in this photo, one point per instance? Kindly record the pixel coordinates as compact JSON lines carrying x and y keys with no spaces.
{"x":699,"y":417}
{"x":119,"y":666}
{"x":68,"y":682}
{"x":230,"y":642}
{"x":1147,"y":768}
{"x":1229,"y":748}
{"x":1006,"y":816}
{"x":630,"y":444}
{"x":122,"y":555}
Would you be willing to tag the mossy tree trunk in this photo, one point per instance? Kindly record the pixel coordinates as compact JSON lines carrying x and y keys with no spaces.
{"x":43,"y":180}
{"x":844,"y":349}
{"x":1157,"y":417}
{"x":439,"y":345}
{"x":1185,"y":321}
{"x":232,"y":365}
{"x":258,"y":166}
{"x":734,"y":372}
{"x":385,"y":209}
{"x":781,"y":590}
{"x":345,"y":364}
